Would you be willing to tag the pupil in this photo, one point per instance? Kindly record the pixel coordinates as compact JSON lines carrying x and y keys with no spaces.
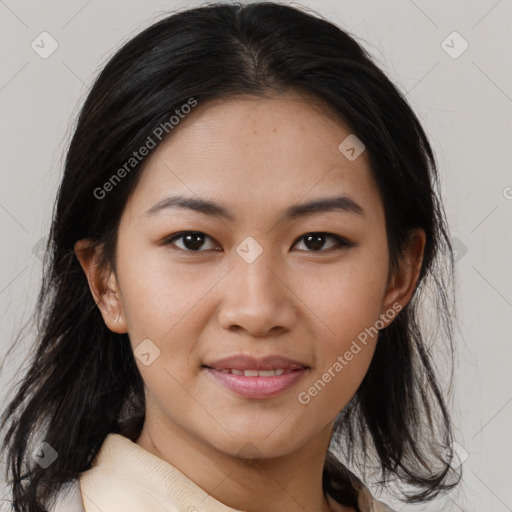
{"x":195,"y":244}
{"x":318,"y":241}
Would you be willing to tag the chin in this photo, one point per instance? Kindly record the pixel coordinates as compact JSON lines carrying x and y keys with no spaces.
{"x":255,"y":447}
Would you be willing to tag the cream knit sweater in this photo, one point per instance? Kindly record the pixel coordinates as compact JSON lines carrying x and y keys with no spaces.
{"x":125,"y":477}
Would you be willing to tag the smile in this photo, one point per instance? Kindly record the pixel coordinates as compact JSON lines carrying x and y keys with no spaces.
{"x":257,"y":384}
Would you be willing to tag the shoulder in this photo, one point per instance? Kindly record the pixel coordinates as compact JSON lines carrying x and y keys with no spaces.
{"x":69,"y":498}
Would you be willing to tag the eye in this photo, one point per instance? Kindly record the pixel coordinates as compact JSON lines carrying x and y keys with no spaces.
{"x":192,"y":241}
{"x":316,"y":241}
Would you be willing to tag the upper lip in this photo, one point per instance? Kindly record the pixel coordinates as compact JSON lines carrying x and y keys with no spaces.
{"x":246,"y":362}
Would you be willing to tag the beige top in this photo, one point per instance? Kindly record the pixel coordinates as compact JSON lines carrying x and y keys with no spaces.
{"x":125,"y":477}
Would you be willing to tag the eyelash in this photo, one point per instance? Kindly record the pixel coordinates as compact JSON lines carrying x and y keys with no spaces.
{"x":342,"y":242}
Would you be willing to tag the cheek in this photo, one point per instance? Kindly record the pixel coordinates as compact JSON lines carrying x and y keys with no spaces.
{"x":347,"y":305}
{"x":335,"y":384}
{"x":348,"y":299}
{"x":160,"y":299}
{"x":345,"y":342}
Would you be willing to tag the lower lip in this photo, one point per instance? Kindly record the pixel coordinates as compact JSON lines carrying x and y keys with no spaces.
{"x":258,"y":387}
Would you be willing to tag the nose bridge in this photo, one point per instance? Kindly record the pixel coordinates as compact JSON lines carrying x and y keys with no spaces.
{"x":255,"y":272}
{"x":255,"y":297}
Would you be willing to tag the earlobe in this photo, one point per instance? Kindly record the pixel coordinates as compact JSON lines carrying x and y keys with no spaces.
{"x":103,"y":286}
{"x":402,"y":284}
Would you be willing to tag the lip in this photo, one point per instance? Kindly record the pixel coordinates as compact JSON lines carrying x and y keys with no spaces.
{"x":258,"y":387}
{"x":246,"y":362}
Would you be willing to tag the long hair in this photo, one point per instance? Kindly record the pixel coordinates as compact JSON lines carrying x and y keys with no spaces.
{"x":82,"y":383}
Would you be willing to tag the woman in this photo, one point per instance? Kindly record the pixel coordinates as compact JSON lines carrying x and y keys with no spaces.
{"x":244,"y":231}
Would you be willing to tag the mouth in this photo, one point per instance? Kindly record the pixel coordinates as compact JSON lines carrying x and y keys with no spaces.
{"x":254,"y":373}
{"x":257,"y":384}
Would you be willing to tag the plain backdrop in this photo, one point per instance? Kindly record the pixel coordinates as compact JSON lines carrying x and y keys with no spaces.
{"x":463,"y":97}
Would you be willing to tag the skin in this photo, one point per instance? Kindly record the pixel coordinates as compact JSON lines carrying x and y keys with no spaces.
{"x":255,"y":156}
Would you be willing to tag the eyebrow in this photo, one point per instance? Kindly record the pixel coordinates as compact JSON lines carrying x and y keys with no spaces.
{"x":327,"y":204}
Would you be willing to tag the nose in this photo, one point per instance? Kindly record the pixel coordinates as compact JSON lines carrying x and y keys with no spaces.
{"x":256,"y":298}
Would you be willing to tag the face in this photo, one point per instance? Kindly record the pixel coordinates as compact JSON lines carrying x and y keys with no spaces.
{"x":252,"y":279}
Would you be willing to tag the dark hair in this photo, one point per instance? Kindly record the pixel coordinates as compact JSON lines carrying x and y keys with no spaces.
{"x":82,"y":382}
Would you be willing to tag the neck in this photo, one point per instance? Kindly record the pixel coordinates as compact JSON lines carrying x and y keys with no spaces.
{"x":244,"y":481}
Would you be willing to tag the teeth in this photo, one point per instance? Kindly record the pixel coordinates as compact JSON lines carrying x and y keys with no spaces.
{"x":256,"y":373}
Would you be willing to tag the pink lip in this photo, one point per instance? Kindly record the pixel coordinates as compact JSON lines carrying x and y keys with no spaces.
{"x":258,"y":387}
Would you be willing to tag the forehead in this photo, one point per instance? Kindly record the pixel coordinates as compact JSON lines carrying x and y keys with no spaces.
{"x":256,"y":153}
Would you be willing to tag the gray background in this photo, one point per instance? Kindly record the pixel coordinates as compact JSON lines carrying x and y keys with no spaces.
{"x":464,"y":103}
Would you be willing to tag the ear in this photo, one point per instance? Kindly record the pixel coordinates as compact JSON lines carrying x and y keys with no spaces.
{"x":103,"y":285}
{"x":402,"y":283}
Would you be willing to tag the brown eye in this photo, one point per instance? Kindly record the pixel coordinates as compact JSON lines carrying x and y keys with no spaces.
{"x":192,"y":241}
{"x":316,"y":241}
